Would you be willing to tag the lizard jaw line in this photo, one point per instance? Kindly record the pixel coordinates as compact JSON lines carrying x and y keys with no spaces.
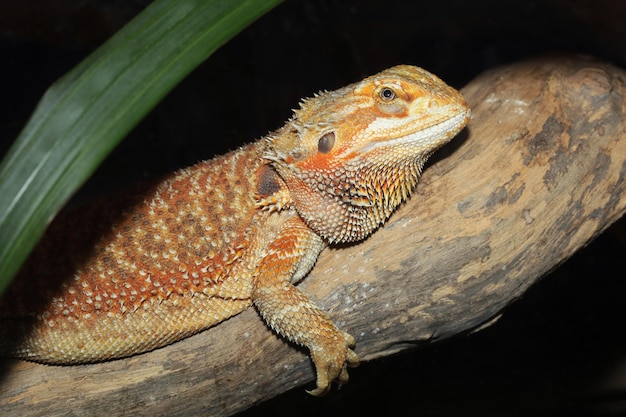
{"x":437,"y":133}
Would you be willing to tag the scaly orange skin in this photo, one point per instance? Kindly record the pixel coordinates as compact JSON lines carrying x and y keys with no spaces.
{"x":239,"y":229}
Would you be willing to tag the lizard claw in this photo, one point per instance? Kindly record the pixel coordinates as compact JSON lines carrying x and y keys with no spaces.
{"x":332,"y":361}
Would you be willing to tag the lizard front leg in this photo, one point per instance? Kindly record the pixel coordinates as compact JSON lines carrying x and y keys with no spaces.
{"x":290,"y":312}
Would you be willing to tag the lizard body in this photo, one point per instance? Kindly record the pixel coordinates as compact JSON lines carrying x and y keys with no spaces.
{"x":238,"y":230}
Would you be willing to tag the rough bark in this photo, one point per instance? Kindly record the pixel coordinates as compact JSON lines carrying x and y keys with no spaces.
{"x":539,"y":173}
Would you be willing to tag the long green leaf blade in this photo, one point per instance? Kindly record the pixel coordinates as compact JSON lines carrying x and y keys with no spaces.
{"x":86,"y":113}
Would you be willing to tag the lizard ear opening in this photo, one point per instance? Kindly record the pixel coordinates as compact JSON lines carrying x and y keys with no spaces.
{"x":326,"y":142}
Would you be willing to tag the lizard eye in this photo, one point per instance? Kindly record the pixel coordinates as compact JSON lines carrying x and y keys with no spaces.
{"x":386,"y":94}
{"x":326,"y":143}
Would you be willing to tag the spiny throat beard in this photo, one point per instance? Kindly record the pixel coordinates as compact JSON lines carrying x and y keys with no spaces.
{"x":346,"y":204}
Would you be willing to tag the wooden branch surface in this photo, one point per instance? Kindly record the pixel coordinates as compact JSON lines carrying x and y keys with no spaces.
{"x":538,"y":174}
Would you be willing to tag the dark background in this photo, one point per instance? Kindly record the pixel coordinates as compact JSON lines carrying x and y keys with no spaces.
{"x":558,"y":351}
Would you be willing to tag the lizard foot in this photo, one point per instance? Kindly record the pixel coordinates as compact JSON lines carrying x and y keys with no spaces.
{"x":331,"y":361}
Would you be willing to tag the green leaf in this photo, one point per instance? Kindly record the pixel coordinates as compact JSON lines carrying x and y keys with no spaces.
{"x":85,"y":114}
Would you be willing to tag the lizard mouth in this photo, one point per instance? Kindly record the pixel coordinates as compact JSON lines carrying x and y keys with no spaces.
{"x":428,"y":138}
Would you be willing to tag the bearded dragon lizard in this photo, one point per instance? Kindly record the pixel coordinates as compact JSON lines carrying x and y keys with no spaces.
{"x":238,"y":230}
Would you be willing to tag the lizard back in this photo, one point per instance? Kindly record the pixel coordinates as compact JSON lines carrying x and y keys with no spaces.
{"x":166,"y":249}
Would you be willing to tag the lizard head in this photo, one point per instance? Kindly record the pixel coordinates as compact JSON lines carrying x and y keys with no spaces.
{"x":349,"y":157}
